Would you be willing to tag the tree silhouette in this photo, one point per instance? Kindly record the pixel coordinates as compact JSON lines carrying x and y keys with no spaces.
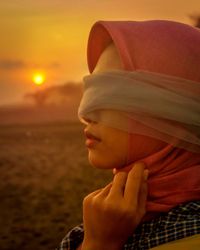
{"x":38,"y":97}
{"x":69,"y":93}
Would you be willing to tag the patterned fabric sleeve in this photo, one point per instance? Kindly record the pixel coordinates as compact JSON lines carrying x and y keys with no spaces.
{"x":182,"y":221}
{"x":73,"y":239}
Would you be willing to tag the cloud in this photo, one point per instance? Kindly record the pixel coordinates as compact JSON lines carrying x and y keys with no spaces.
{"x":12,"y":64}
{"x":8,"y":64}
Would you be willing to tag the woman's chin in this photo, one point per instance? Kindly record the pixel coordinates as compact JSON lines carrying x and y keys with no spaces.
{"x":103,"y":163}
{"x":100,"y":165}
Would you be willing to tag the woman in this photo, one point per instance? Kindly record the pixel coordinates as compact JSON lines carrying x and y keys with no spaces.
{"x":141,"y":108}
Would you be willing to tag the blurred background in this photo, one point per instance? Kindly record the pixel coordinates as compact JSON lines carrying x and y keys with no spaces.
{"x":44,"y":171}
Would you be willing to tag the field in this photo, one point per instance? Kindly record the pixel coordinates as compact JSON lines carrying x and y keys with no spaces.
{"x":44,"y":175}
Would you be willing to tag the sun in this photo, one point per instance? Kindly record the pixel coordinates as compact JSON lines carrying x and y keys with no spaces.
{"x":38,"y":78}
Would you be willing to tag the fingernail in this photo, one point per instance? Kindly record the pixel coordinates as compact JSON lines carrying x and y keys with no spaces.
{"x":146,"y":174}
{"x":114,"y":171}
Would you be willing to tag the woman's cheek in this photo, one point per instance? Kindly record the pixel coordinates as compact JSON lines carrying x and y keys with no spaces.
{"x":100,"y":158}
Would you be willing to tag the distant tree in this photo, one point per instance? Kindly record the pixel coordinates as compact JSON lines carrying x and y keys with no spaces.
{"x":39,"y":97}
{"x":69,"y":93}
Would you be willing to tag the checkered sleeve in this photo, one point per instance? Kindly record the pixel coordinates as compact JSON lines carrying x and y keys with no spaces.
{"x":73,"y":239}
{"x":182,"y":221}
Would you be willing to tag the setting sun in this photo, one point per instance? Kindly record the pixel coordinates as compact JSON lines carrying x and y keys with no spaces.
{"x":38,"y":78}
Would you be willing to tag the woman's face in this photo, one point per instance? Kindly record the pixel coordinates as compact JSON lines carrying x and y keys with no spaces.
{"x":114,"y":148}
{"x":111,"y":147}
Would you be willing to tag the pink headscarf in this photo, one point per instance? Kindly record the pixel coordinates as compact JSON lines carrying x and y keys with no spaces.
{"x":169,"y":48}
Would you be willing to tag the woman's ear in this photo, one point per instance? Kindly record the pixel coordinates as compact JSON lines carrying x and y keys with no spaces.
{"x":108,"y":60}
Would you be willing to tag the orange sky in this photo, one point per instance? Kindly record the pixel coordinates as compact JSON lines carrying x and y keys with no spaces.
{"x":51,"y":36}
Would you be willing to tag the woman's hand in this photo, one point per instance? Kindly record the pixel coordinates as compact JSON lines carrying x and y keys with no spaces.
{"x":111,"y":214}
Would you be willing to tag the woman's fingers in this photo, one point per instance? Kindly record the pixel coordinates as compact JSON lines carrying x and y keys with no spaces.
{"x":118,"y":184}
{"x":142,"y":199}
{"x":104,"y":191}
{"x":128,"y":186}
{"x":94,"y":193}
{"x":133,"y":183}
{"x":100,"y":193}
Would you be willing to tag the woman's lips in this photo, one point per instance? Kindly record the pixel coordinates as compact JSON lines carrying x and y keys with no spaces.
{"x":91,"y":140}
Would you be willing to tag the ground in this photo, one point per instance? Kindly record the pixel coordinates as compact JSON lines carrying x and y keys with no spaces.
{"x":44,"y":175}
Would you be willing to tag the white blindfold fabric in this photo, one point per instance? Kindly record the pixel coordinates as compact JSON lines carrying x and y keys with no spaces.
{"x":147,"y":103}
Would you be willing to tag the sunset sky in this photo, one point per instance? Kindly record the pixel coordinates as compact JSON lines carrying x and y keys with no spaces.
{"x":50,"y":37}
